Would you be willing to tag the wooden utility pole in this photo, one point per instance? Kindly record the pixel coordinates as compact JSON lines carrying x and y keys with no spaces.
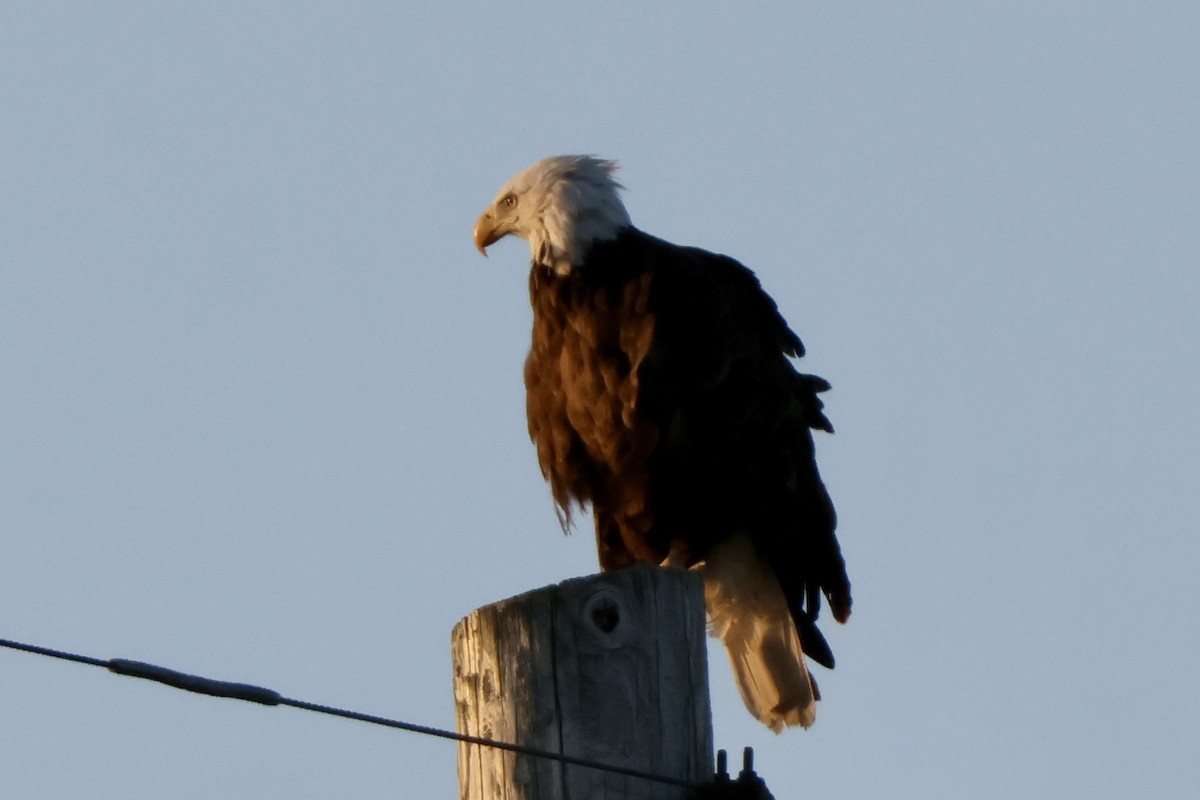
{"x":609,"y":668}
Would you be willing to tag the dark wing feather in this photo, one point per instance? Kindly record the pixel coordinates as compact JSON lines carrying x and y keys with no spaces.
{"x":740,"y":452}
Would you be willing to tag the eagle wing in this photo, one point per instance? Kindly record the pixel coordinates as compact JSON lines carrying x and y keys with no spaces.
{"x":736,"y":417}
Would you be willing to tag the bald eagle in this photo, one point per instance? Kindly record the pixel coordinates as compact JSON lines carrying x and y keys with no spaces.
{"x":660,"y":392}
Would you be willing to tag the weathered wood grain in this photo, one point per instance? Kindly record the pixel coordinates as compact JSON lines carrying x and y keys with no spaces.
{"x":610,"y":667}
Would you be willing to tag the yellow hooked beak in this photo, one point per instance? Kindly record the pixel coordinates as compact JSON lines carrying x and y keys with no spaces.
{"x":488,"y":230}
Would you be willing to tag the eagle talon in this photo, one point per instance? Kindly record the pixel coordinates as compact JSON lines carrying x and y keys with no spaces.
{"x":677,"y":557}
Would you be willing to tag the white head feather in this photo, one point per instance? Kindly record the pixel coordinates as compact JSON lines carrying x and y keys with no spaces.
{"x":561,"y":206}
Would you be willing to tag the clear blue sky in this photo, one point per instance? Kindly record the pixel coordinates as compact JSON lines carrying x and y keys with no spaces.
{"x":261,"y":410}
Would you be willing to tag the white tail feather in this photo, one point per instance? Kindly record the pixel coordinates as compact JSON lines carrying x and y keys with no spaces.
{"x":748,"y":612}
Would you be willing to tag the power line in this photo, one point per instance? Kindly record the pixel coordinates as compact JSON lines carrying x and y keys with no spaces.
{"x":269,"y":697}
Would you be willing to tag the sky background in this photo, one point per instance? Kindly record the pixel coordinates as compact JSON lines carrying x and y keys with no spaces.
{"x":261,"y":410}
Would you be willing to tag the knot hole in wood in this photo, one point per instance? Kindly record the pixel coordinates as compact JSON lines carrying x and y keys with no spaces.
{"x":606,"y":615}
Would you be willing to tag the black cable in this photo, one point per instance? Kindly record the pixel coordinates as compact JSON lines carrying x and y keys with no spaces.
{"x":269,"y":697}
{"x":46,"y":651}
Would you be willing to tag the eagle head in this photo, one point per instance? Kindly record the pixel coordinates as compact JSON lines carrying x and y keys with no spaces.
{"x":561,"y":205}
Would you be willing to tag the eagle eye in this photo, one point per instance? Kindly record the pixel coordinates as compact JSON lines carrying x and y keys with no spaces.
{"x":509,"y":200}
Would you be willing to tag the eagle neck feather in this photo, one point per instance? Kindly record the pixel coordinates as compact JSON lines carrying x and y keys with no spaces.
{"x":563,"y":245}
